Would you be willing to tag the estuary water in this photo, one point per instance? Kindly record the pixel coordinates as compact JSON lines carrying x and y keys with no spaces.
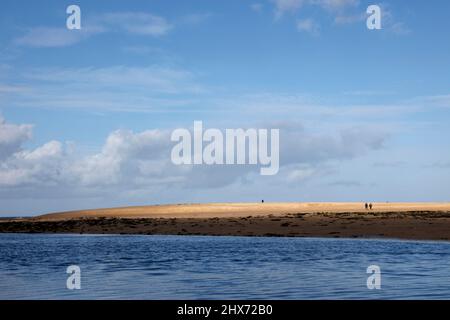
{"x":33,"y":266}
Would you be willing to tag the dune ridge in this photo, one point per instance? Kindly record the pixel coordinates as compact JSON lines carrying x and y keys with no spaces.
{"x":413,"y":221}
{"x":234,"y":210}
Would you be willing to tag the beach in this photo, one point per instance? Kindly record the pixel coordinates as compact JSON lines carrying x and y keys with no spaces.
{"x":415,"y":221}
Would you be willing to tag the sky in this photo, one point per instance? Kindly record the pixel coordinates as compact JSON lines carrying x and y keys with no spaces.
{"x":86,"y":115}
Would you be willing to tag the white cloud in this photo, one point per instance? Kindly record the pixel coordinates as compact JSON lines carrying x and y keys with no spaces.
{"x":52,"y":165}
{"x":138,"y":23}
{"x":153,"y":78}
{"x":344,"y":12}
{"x":309,"y":26}
{"x":12,"y":137}
{"x":292,"y":6}
{"x":287,"y":6}
{"x":123,"y":151}
{"x":300,"y":147}
{"x":41,"y":37}
{"x":344,"y":16}
{"x":300,"y":174}
{"x":400,"y":28}
{"x":141,"y":160}
{"x":257,"y":7}
{"x":335,"y":5}
{"x":39,"y":167}
{"x":116,"y":88}
{"x":51,"y":149}
{"x":390,"y":23}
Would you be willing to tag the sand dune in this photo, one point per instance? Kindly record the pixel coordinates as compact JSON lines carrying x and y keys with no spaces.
{"x":234,"y":210}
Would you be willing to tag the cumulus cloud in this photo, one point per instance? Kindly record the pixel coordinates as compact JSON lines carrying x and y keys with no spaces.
{"x":124,"y":153}
{"x":127,"y":160}
{"x":12,"y":137}
{"x":39,"y":167}
{"x":141,"y":161}
{"x":302,"y":147}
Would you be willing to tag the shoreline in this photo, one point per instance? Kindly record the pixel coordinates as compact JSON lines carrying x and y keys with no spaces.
{"x":404,"y":225}
{"x":225,"y":236}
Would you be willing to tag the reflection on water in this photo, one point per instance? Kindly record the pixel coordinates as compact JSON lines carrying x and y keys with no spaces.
{"x":189,"y":267}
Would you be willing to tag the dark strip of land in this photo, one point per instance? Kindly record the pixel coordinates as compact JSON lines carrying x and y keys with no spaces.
{"x":414,"y":225}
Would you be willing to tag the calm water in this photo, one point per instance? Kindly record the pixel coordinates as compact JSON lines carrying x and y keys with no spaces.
{"x":184,"y":267}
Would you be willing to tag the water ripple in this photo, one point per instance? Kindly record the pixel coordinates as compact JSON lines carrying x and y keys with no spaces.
{"x":192,"y":267}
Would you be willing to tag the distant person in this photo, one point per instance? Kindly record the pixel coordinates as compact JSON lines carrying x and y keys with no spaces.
{"x":370,"y":206}
{"x":262,"y":201}
{"x":367,"y":206}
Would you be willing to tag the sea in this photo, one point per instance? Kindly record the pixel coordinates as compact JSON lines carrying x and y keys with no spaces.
{"x":56,"y":266}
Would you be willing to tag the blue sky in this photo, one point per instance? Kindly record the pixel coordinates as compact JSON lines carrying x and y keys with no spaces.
{"x":86,"y":114}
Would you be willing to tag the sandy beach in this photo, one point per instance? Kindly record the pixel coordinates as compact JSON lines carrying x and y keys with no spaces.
{"x":424,"y":221}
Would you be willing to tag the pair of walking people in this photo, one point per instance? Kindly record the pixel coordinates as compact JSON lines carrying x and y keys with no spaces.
{"x":368,"y":206}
